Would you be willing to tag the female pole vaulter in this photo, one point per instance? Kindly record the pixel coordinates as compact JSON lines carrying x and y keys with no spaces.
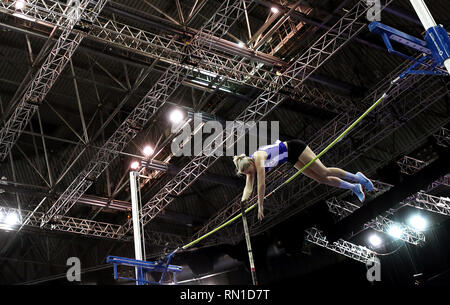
{"x":297,"y":153}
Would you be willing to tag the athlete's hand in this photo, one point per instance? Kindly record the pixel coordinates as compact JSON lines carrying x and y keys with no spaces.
{"x":260,"y":212}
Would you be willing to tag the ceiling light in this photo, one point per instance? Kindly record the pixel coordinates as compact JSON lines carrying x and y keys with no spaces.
{"x":19,"y":5}
{"x":375,"y":240}
{"x":148,"y":151}
{"x":176,"y":116}
{"x":274,"y":10}
{"x":418,"y":222}
{"x":395,"y":231}
{"x":12,"y":219}
{"x":135,"y":165}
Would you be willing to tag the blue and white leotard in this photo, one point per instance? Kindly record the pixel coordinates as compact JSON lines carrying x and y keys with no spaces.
{"x":276,"y":154}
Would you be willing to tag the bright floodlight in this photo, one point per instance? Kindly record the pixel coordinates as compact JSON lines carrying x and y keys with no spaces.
{"x":20,"y":4}
{"x":12,"y":219}
{"x":375,"y":240}
{"x":274,"y":10}
{"x":135,"y":165}
{"x":176,"y":116}
{"x":418,"y":222}
{"x":148,"y":150}
{"x":395,"y":231}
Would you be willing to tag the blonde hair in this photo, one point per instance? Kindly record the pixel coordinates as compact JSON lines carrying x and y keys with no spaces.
{"x":242,"y":162}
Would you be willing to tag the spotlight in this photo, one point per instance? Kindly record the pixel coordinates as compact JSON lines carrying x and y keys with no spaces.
{"x":148,"y":151}
{"x":418,"y":222}
{"x":241,"y":44}
{"x":274,"y":10}
{"x":375,"y":240}
{"x":135,"y":165}
{"x":19,"y":5}
{"x":176,"y":116}
{"x":395,"y":231}
{"x":12,"y":219}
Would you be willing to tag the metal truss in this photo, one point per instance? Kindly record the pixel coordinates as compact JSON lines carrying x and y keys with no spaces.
{"x":345,"y":29}
{"x":222,"y":20}
{"x":423,"y":201}
{"x":52,"y":12}
{"x":380,"y":223}
{"x":89,"y":227}
{"x":47,"y":11}
{"x":356,"y":252}
{"x":67,"y":224}
{"x":442,"y":181}
{"x":169,"y":241}
{"x":410,"y":166}
{"x":209,"y":62}
{"x":443,"y":137}
{"x":47,"y":74}
{"x":155,"y":98}
{"x":283,"y":32}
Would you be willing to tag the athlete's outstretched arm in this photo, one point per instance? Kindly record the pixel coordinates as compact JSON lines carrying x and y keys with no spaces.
{"x":248,"y":190}
{"x":261,"y":177}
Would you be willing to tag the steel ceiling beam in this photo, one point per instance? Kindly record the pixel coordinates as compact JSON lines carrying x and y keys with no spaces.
{"x":156,"y":97}
{"x":48,"y":73}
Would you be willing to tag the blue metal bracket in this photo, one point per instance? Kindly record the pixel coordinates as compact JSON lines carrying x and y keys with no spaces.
{"x":388,"y":34}
{"x":439,"y":43}
{"x":144,"y":267}
{"x":435,"y":48}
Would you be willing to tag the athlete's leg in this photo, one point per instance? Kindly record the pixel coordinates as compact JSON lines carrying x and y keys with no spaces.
{"x":308,"y":172}
{"x":320,"y":169}
{"x":324,"y":175}
{"x":332,"y":181}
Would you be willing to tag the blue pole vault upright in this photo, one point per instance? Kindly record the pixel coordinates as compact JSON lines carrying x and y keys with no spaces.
{"x":436,"y":36}
{"x":435,"y":47}
{"x":142,"y":267}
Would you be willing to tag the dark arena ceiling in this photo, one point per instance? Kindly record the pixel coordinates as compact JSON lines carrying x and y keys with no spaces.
{"x":68,"y":136}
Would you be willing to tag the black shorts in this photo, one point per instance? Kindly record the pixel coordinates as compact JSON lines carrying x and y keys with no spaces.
{"x":295,"y":149}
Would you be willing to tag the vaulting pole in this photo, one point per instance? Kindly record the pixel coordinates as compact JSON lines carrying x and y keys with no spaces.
{"x":249,"y":245}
